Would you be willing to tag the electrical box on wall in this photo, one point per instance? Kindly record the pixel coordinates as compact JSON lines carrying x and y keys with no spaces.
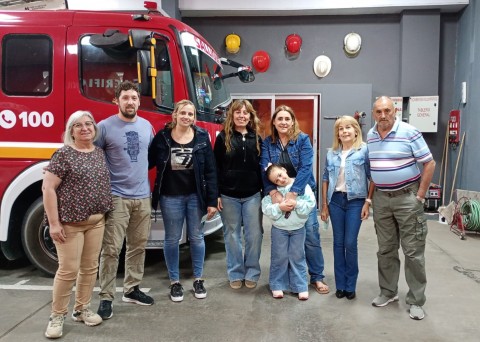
{"x":398,"y":103}
{"x":423,"y":113}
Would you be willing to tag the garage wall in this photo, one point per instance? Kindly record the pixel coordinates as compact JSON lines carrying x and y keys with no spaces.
{"x":467,"y":69}
{"x":387,"y":52}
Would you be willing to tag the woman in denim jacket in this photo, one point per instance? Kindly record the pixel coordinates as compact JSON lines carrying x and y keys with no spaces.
{"x":346,"y":198}
{"x":291,"y":148}
{"x":186,"y":187}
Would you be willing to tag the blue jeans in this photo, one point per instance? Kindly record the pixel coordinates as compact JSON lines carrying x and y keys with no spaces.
{"x":345,"y":216}
{"x":235,"y":212}
{"x":288,"y":269}
{"x":175,"y":210}
{"x":313,"y":248}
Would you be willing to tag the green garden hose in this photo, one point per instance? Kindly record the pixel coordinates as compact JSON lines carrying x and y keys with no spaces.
{"x":470,"y":211}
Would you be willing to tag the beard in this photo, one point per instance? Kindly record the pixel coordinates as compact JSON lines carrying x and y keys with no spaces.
{"x":128,"y":115}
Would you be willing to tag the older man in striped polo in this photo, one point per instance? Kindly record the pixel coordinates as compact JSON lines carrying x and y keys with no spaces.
{"x":395,"y":150}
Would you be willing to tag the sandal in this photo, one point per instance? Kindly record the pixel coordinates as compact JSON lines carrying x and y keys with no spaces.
{"x":321,"y":287}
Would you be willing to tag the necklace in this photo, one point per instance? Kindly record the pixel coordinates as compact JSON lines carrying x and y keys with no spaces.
{"x":282,"y":144}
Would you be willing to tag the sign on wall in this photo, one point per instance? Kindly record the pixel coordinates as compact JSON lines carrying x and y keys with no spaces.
{"x":423,"y":113}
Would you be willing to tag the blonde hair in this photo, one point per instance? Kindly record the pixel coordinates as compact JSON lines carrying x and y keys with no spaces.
{"x":179,"y":105}
{"x":229,"y":124}
{"x":347,"y":120}
{"x":72,"y":120}
{"x":293,"y":132}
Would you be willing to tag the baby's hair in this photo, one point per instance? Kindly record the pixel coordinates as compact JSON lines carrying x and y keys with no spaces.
{"x":270,"y":168}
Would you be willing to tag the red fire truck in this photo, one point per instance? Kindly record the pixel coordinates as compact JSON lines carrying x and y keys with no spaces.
{"x":55,"y":62}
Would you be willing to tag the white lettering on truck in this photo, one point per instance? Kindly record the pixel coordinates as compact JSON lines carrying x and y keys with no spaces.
{"x":8,"y":119}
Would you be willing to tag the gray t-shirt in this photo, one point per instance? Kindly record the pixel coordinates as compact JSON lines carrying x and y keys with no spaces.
{"x":126,"y":149}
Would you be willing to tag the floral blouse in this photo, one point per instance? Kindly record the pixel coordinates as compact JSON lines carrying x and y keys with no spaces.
{"x":85,"y":188}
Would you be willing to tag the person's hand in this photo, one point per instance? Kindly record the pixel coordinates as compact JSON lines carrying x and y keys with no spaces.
{"x":219,"y":204}
{"x":287,"y":205}
{"x":365,"y":211}
{"x":291,"y":196}
{"x":211,"y":212}
{"x":284,"y":206}
{"x":57,"y":233}
{"x":291,"y":203}
{"x":325,"y":213}
{"x":276,"y":196}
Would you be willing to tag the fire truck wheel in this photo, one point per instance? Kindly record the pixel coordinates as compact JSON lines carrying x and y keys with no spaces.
{"x":37,"y":244}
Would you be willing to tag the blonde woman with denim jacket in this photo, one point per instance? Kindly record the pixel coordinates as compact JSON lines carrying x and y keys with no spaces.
{"x":346,"y":199}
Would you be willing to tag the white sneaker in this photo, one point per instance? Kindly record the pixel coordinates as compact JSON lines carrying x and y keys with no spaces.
{"x":87,"y":316}
{"x":55,"y":326}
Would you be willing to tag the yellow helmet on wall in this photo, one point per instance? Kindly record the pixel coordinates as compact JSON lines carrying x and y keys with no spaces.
{"x":232,"y":43}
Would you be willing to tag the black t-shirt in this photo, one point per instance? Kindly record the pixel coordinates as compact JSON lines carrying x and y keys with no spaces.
{"x":285,"y":162}
{"x":179,"y":176}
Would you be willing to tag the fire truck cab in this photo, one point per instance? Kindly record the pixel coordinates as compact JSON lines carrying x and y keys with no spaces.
{"x":55,"y":62}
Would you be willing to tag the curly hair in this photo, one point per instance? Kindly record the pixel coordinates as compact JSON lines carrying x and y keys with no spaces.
{"x":124,"y":86}
{"x":293,"y":132}
{"x":229,"y":124}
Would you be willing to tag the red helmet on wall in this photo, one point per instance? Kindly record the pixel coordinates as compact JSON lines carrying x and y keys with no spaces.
{"x":293,"y":44}
{"x":261,"y":61}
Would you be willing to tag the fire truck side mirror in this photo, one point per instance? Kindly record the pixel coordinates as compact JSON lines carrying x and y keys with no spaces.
{"x":109,"y":39}
{"x":246,"y":76}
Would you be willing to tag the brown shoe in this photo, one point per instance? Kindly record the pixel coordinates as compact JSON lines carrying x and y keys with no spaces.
{"x":321,"y":287}
{"x":250,"y":284}
{"x":236,"y":284}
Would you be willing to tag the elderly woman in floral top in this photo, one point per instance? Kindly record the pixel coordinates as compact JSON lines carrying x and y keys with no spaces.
{"x":76,"y":196}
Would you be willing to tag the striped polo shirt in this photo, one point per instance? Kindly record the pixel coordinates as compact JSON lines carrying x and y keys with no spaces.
{"x":393,"y":160}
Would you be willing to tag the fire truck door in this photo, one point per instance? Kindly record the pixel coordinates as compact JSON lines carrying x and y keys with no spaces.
{"x":32,"y":97}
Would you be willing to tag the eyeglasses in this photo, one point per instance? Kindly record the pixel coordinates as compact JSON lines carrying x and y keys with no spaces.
{"x":87,"y":124}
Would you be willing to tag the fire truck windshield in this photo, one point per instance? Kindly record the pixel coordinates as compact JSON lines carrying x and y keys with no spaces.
{"x":204,"y":67}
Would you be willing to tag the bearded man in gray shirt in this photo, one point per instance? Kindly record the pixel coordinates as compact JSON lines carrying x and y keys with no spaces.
{"x":125,"y":138}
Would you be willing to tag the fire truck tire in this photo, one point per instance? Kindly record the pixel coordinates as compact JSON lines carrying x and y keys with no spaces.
{"x":37,"y":244}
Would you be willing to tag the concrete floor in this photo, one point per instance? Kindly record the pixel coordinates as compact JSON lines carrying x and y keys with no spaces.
{"x":452,"y":308}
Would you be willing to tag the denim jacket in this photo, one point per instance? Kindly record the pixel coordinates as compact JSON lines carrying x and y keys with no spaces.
{"x":203,"y":165}
{"x":301,"y":156}
{"x":357,"y":172}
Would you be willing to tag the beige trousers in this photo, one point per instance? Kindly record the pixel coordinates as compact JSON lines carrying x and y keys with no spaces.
{"x":130,"y":221}
{"x":77,"y":261}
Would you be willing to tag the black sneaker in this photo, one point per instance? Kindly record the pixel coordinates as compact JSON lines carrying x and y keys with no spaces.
{"x":138,"y":297}
{"x":199,"y":289}
{"x":176,"y":292}
{"x":105,"y":310}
